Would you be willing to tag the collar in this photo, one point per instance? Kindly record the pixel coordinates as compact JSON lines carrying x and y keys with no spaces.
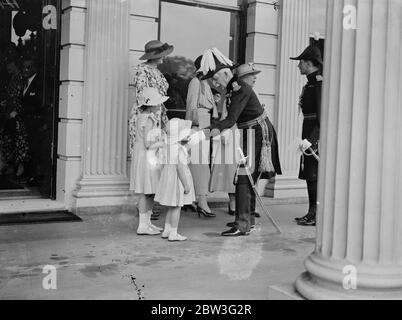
{"x":312,"y":77}
{"x":31,"y":78}
{"x":28,"y":83}
{"x":229,"y":87}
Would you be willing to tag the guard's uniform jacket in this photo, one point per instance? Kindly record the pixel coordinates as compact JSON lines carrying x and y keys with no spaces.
{"x":244,"y":106}
{"x":310,"y":105}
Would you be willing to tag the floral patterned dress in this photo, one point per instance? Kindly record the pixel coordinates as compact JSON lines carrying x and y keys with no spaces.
{"x":13,"y":136}
{"x":146,"y":75}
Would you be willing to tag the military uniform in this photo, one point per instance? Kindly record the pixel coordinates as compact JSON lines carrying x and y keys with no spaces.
{"x":245,"y":107}
{"x":310,"y":105}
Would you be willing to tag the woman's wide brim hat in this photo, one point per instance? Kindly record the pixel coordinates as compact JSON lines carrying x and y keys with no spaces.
{"x":155,"y":49}
{"x":212,"y":62}
{"x":151,"y":97}
{"x":246,"y":69}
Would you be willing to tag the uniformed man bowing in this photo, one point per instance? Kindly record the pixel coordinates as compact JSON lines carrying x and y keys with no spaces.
{"x":245,"y":110}
{"x":310,"y":62}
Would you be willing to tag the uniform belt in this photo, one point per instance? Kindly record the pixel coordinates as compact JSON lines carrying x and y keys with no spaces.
{"x":310,"y":116}
{"x":254,"y":122}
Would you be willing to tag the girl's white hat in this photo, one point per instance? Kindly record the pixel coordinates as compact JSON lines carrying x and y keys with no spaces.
{"x":179,"y":129}
{"x":151,"y":97}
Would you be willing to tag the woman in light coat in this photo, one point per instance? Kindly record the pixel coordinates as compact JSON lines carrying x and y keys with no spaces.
{"x":200,"y":106}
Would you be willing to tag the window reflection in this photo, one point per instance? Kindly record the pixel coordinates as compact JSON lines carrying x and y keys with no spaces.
{"x":200,"y":28}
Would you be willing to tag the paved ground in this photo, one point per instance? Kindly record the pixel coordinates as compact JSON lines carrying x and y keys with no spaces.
{"x":103,"y":258}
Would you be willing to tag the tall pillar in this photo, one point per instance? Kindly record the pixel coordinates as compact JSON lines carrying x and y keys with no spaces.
{"x":293,"y":39}
{"x":359,"y":231}
{"x":104,"y":178}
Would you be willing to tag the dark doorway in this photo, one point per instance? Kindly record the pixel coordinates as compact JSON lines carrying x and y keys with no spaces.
{"x":320,"y":43}
{"x":29,"y":82}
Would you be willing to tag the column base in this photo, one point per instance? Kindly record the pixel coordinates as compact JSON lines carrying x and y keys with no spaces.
{"x":102,"y":191}
{"x":283,"y":187}
{"x":326,"y":279}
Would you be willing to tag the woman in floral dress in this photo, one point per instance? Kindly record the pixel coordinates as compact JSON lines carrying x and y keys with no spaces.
{"x":146,"y":75}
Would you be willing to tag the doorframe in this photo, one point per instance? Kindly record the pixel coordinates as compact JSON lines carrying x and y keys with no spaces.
{"x":240,"y":9}
{"x":205,"y":4}
{"x":57,"y":53}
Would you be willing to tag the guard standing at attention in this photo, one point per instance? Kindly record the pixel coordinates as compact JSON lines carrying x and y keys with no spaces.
{"x":310,"y":63}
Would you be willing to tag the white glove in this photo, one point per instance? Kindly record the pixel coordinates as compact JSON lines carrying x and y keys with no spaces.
{"x":305,"y":145}
{"x":242,"y":159}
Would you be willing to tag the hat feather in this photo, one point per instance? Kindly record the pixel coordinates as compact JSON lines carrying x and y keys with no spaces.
{"x":221,"y":57}
{"x":208,"y":60}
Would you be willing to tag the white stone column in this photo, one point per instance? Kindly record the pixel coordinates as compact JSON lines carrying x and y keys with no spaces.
{"x":105,"y":105}
{"x":293,"y":39}
{"x":360,"y":178}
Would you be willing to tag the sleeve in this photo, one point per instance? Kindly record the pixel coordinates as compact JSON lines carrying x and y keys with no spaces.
{"x":318,"y":96}
{"x":315,"y":134}
{"x":150,"y":122}
{"x":140,"y":82}
{"x":237,"y":105}
{"x":14,"y":92}
{"x":182,"y":157}
{"x":192,"y":99}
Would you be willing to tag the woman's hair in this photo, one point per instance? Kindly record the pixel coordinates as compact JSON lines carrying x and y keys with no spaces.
{"x":153,"y":60}
{"x":145,"y":107}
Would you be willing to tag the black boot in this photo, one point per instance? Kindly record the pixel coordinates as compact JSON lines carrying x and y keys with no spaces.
{"x":309,"y":218}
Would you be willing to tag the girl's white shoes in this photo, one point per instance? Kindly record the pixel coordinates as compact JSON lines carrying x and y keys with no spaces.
{"x":176,"y":237}
{"x":155,"y":227}
{"x":149,"y":214}
{"x":147,"y":231}
{"x":145,"y":226}
{"x":172,"y":236}
{"x":165,"y":234}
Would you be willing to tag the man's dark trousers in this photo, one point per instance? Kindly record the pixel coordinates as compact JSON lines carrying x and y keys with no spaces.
{"x":245,"y":195}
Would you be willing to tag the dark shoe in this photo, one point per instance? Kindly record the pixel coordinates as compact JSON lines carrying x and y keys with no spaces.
{"x":155,"y":215}
{"x":302,"y":218}
{"x":234,"y":232}
{"x":231,"y":212}
{"x":231,"y":225}
{"x":32,"y":182}
{"x":257,"y":215}
{"x":310,"y":222}
{"x":204,"y":213}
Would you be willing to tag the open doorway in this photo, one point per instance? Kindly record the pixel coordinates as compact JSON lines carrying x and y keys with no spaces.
{"x":29,"y":64}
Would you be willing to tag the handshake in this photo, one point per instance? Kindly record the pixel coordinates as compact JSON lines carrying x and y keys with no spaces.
{"x":198,"y":136}
{"x":195,"y":138}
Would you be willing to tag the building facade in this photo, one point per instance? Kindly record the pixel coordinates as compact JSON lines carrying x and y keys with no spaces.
{"x":91,"y":47}
{"x":96,"y":73}
{"x":100,"y":41}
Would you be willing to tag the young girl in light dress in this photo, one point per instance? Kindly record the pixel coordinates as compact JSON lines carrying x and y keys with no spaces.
{"x":145,"y":168}
{"x":176,"y":187}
